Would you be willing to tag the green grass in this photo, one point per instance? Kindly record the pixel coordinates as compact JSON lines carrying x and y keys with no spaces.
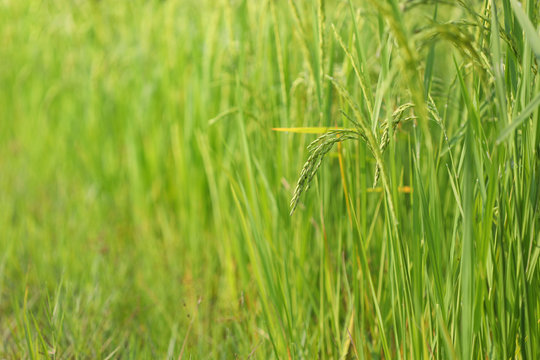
{"x":145,"y":198}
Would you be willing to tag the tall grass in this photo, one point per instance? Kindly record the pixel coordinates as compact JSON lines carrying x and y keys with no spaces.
{"x":145,"y":199}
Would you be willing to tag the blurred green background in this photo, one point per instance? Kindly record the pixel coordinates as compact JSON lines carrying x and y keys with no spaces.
{"x":144,"y":198}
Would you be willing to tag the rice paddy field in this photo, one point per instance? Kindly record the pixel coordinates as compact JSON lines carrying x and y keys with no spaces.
{"x":234,"y":179}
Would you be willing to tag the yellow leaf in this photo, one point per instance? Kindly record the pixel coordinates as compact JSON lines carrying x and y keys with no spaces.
{"x":309,"y":130}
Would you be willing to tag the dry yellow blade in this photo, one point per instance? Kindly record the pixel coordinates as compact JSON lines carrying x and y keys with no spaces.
{"x":309,"y":130}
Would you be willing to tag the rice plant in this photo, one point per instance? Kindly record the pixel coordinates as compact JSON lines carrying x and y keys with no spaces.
{"x":356,"y":179}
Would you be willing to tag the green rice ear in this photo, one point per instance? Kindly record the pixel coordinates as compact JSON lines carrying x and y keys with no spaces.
{"x":318,"y":150}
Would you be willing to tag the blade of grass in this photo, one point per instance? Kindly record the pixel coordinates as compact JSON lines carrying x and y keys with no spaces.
{"x":522,"y":117}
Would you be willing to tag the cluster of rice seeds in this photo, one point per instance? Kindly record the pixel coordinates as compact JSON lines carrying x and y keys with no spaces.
{"x":318,"y":149}
{"x":432,"y":110}
{"x":458,"y":33}
{"x":397,"y":117}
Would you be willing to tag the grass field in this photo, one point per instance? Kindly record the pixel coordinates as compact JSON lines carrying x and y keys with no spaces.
{"x":151,"y":154}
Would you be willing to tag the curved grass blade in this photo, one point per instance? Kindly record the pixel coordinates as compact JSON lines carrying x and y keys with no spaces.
{"x":524,"y":115}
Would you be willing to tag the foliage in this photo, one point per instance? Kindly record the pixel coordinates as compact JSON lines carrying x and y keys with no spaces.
{"x":145,"y":199}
